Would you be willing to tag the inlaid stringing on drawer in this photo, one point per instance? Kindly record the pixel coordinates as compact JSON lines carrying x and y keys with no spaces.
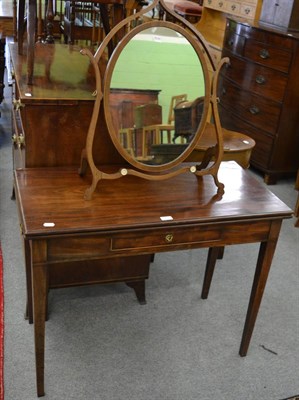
{"x":165,"y":237}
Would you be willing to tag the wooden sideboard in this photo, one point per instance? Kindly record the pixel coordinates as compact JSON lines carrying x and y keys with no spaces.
{"x":259,"y":94}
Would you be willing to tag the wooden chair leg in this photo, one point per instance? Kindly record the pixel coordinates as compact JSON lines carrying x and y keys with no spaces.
{"x":139,"y":289}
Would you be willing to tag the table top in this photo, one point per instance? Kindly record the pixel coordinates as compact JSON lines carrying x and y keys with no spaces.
{"x":55,"y":196}
{"x":60,"y":72}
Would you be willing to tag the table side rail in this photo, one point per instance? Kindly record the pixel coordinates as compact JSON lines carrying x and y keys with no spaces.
{"x":148,"y":241}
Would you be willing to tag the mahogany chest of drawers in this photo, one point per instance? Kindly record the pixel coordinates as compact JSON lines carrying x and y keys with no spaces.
{"x":259,"y":94}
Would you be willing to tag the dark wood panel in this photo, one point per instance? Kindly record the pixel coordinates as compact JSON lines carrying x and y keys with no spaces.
{"x":260,"y":34}
{"x":253,"y":108}
{"x":261,"y":153}
{"x":260,"y":52}
{"x":269,"y":56}
{"x":258,"y":79}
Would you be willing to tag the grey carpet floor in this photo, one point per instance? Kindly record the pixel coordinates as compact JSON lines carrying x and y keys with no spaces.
{"x":101,"y":344}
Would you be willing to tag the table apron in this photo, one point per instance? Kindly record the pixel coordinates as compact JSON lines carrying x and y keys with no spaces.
{"x":152,"y":240}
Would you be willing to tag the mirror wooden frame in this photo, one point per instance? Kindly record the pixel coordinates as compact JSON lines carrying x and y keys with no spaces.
{"x":130,"y":165}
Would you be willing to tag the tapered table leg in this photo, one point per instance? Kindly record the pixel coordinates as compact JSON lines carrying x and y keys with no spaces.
{"x":39,"y":290}
{"x":214,"y":254}
{"x":264,"y":261}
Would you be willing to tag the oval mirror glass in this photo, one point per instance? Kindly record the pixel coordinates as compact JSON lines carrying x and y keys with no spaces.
{"x":156,"y":99}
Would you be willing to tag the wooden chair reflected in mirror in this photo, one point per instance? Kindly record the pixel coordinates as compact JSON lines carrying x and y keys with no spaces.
{"x":155,"y":132}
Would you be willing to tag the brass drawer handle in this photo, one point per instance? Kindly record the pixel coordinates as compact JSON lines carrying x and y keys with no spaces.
{"x":230,"y":42}
{"x":233,"y":7}
{"x":254,"y":110}
{"x":14,"y":139}
{"x":220,"y":3}
{"x":264,"y":54}
{"x":260,"y":79}
{"x":169,"y":238}
{"x":247,"y":10}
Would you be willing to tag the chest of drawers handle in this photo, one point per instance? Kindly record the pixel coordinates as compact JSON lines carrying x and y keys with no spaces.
{"x":260,"y":79}
{"x":254,"y":110}
{"x":264,"y":54}
{"x":247,"y":10}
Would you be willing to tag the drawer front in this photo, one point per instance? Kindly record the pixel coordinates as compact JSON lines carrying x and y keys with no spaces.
{"x":256,"y":110}
{"x":255,"y":78}
{"x":165,"y":237}
{"x":261,"y":153}
{"x":234,"y":43}
{"x":232,"y":7}
{"x":274,"y":39}
{"x":215,"y":4}
{"x":262,"y":53}
{"x":247,"y":10}
{"x":269,"y":56}
{"x":238,"y":8}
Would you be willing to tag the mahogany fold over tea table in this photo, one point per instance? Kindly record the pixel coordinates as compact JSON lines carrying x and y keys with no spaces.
{"x":125,"y":218}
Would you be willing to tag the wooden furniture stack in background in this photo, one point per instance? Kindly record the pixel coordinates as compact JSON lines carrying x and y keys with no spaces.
{"x":213,"y":20}
{"x":281,"y":14}
{"x":259,"y":94}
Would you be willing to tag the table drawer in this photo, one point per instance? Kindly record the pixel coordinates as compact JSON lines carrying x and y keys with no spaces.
{"x":256,"y":110}
{"x":256,"y":78}
{"x":163,"y":237}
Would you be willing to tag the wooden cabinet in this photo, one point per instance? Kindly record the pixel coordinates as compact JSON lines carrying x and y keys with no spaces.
{"x":282,"y":14}
{"x":51,"y":118}
{"x":213,"y":20}
{"x":259,"y":94}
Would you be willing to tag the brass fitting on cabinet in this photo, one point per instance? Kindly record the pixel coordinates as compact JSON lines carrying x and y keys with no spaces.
{"x":17,"y":104}
{"x":21,"y":140}
{"x":18,"y":140}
